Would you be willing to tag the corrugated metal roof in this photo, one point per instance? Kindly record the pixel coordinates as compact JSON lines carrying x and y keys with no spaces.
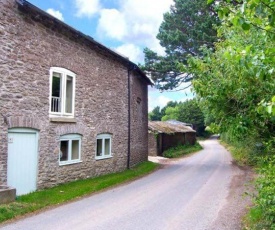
{"x":168,"y":127}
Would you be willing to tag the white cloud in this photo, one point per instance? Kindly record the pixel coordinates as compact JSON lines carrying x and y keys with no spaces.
{"x":157,"y":98}
{"x":112,"y":24}
{"x":87,"y":8}
{"x":135,"y":21}
{"x":160,"y":101}
{"x":57,"y":14}
{"x":131,"y":51}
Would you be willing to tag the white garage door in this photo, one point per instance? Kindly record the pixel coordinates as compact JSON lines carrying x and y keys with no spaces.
{"x":22,"y":160}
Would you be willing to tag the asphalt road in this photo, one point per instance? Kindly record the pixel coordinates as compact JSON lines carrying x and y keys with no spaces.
{"x":185,"y":194}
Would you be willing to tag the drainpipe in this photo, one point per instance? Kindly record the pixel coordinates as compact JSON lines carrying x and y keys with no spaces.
{"x":131,"y":67}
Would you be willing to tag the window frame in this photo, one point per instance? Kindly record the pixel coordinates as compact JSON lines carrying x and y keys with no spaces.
{"x":70,"y":138}
{"x":64,"y":74}
{"x":103,"y":137}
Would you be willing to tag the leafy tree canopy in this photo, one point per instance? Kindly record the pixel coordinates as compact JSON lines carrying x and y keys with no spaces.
{"x":237,"y":81}
{"x":188,"y":112}
{"x":157,"y":113}
{"x":186,"y":27}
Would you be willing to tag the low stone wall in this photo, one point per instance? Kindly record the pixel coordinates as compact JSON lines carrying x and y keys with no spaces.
{"x":7,"y":194}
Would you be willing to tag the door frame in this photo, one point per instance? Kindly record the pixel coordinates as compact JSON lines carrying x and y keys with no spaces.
{"x":31,"y":131}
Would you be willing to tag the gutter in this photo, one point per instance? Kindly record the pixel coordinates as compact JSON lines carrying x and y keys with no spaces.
{"x":27,"y":7}
{"x":131,"y":68}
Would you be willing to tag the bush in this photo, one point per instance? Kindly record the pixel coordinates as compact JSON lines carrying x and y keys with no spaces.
{"x":181,"y":150}
{"x":262,"y":215}
{"x":246,"y":151}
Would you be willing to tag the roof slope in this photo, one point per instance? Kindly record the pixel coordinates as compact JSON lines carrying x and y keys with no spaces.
{"x":44,"y":18}
{"x":168,"y":127}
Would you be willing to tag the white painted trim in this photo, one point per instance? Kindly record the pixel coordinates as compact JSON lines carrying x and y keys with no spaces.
{"x":70,"y":138}
{"x":64,"y":73}
{"x":103,"y":137}
{"x":103,"y":157}
{"x":62,"y":163}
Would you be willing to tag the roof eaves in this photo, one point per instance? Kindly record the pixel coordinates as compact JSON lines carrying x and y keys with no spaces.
{"x":23,"y":4}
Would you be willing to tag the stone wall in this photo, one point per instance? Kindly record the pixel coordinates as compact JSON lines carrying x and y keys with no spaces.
{"x":152,"y":144}
{"x":139,"y":120}
{"x":28,"y":50}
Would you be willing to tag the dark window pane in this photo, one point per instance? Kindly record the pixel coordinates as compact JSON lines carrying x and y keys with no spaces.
{"x":64,"y":150}
{"x":56,"y":92}
{"x":99,"y":147}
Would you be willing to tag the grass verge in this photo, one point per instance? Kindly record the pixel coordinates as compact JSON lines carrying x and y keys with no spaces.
{"x":262,"y":214}
{"x":182,"y":150}
{"x":69,"y":191}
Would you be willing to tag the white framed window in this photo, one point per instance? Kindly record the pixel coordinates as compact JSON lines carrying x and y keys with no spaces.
{"x":70,"y":149}
{"x":62,"y":92}
{"x":103,"y":146}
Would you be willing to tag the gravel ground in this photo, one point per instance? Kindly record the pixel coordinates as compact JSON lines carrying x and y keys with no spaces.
{"x":237,"y":202}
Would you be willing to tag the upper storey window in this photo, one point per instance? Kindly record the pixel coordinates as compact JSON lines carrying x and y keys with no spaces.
{"x":62,"y":95}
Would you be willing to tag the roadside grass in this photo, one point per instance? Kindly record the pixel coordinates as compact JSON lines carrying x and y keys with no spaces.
{"x":66,"y":192}
{"x":262,"y":214}
{"x":262,"y":158}
{"x":182,"y":150}
{"x":240,"y":154}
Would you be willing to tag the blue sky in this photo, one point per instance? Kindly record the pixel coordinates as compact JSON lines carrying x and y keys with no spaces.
{"x":126,"y":26}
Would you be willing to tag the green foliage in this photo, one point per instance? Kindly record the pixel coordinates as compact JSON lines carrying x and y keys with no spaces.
{"x":267,"y":108}
{"x":186,"y":27}
{"x":262,"y":215}
{"x":181,"y":150}
{"x":157,"y":113}
{"x":66,"y":192}
{"x":189,"y":112}
{"x":238,"y":77}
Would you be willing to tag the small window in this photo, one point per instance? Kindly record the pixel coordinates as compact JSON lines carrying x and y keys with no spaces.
{"x":62,"y":92}
{"x":103,"y":146}
{"x":70,"y":149}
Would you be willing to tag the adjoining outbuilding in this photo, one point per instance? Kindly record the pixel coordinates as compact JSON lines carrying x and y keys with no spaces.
{"x":163,"y":135}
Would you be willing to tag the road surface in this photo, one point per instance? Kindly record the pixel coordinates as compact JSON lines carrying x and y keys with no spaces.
{"x":189,"y":193}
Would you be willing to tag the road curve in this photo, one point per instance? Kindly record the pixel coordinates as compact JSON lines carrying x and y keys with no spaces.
{"x":185,"y":194}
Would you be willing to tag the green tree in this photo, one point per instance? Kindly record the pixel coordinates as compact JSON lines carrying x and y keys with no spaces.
{"x":155,"y":115}
{"x":239,"y":76}
{"x":188,"y":112}
{"x":186,"y":27}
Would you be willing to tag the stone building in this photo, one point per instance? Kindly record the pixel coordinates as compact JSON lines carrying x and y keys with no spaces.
{"x":70,"y":108}
{"x":166,"y":134}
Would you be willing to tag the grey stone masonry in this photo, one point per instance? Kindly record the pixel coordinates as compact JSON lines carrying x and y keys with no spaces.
{"x":29,"y":47}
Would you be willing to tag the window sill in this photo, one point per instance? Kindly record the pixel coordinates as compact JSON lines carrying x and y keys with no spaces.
{"x":103,"y":157}
{"x":63,"y":119}
{"x":69,"y":162}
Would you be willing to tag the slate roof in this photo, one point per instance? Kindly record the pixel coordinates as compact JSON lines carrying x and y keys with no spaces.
{"x":168,"y":127}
